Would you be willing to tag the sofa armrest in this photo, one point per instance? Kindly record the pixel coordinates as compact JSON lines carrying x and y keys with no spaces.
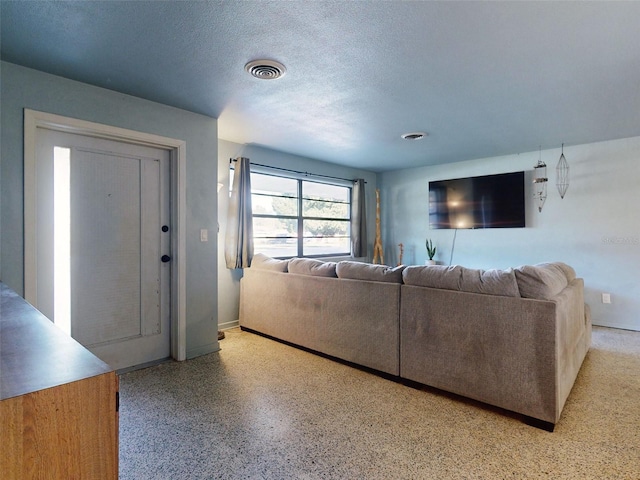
{"x":573,"y":337}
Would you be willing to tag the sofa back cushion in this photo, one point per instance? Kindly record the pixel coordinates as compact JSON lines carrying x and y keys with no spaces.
{"x":568,"y":270}
{"x":369,"y":271}
{"x":264,"y":262}
{"x":310,"y":266}
{"x":490,"y":282}
{"x":544,"y":280}
{"x":433,"y":276}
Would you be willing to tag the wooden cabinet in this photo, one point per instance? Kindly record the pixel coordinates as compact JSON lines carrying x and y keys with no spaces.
{"x":58,"y":402}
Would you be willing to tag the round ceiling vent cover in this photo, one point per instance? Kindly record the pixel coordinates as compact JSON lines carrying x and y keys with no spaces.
{"x":414,"y":135}
{"x":265,"y":69}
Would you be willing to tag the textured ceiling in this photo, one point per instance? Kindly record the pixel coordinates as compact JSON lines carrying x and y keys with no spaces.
{"x":482,"y":78}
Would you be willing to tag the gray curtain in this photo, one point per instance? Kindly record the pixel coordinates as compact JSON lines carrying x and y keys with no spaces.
{"x":238,"y":245}
{"x":358,"y":220}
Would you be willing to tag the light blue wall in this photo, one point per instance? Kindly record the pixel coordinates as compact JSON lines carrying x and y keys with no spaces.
{"x":595,"y":228}
{"x":26,"y":88}
{"x":228,"y":280}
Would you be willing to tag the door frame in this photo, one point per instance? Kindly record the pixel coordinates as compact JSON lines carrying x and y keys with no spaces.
{"x":32,"y":121}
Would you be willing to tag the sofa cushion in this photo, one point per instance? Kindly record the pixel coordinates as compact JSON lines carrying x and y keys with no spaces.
{"x":310,"y":266}
{"x":543,"y":281}
{"x":568,"y":270}
{"x":433,"y":276}
{"x":264,"y":262}
{"x":369,"y":271}
{"x":490,"y":282}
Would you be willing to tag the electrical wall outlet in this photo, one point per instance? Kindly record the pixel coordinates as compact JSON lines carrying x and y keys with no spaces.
{"x":204,"y":235}
{"x":606,"y":298}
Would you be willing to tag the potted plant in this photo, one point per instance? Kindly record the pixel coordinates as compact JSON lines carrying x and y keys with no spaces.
{"x":431,"y":252}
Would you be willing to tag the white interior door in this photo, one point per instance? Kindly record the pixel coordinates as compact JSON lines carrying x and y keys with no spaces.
{"x":103,"y":227}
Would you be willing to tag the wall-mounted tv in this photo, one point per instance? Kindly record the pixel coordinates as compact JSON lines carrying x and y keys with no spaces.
{"x":490,"y":201}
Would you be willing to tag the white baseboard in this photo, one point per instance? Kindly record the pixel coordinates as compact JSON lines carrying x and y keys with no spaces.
{"x":619,"y":326}
{"x":203,"y":350}
{"x":228,"y":325}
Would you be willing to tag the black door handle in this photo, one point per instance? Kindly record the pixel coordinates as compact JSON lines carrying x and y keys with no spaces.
{"x":165,"y":258}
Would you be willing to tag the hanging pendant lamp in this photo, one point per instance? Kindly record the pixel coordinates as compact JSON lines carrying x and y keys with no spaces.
{"x":562,"y":174}
{"x":540,"y":181}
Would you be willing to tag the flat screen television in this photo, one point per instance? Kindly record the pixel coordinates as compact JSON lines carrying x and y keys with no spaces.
{"x":490,"y":201}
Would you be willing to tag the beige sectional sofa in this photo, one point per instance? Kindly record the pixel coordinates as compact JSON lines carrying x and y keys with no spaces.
{"x":512,"y":338}
{"x":350,"y":319}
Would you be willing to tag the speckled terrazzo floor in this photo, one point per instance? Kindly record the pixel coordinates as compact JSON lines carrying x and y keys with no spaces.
{"x":263,"y":410}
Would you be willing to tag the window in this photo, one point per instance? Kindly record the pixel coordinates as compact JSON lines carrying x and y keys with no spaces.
{"x":295,"y":217}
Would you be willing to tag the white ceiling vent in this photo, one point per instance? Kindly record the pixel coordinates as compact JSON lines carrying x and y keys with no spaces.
{"x":414,"y":135}
{"x":265,"y":69}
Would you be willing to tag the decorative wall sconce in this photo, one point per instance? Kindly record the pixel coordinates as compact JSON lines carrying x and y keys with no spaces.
{"x":540,"y":181}
{"x":562,"y":174}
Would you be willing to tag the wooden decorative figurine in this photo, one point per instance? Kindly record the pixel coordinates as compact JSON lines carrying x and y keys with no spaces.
{"x":378,"y":255}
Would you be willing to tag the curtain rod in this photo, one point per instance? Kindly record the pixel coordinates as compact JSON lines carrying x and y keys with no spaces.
{"x":297,"y":171}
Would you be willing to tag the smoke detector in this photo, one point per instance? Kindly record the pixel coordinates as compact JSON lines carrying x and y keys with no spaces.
{"x":265,"y":69}
{"x":414,"y":135}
